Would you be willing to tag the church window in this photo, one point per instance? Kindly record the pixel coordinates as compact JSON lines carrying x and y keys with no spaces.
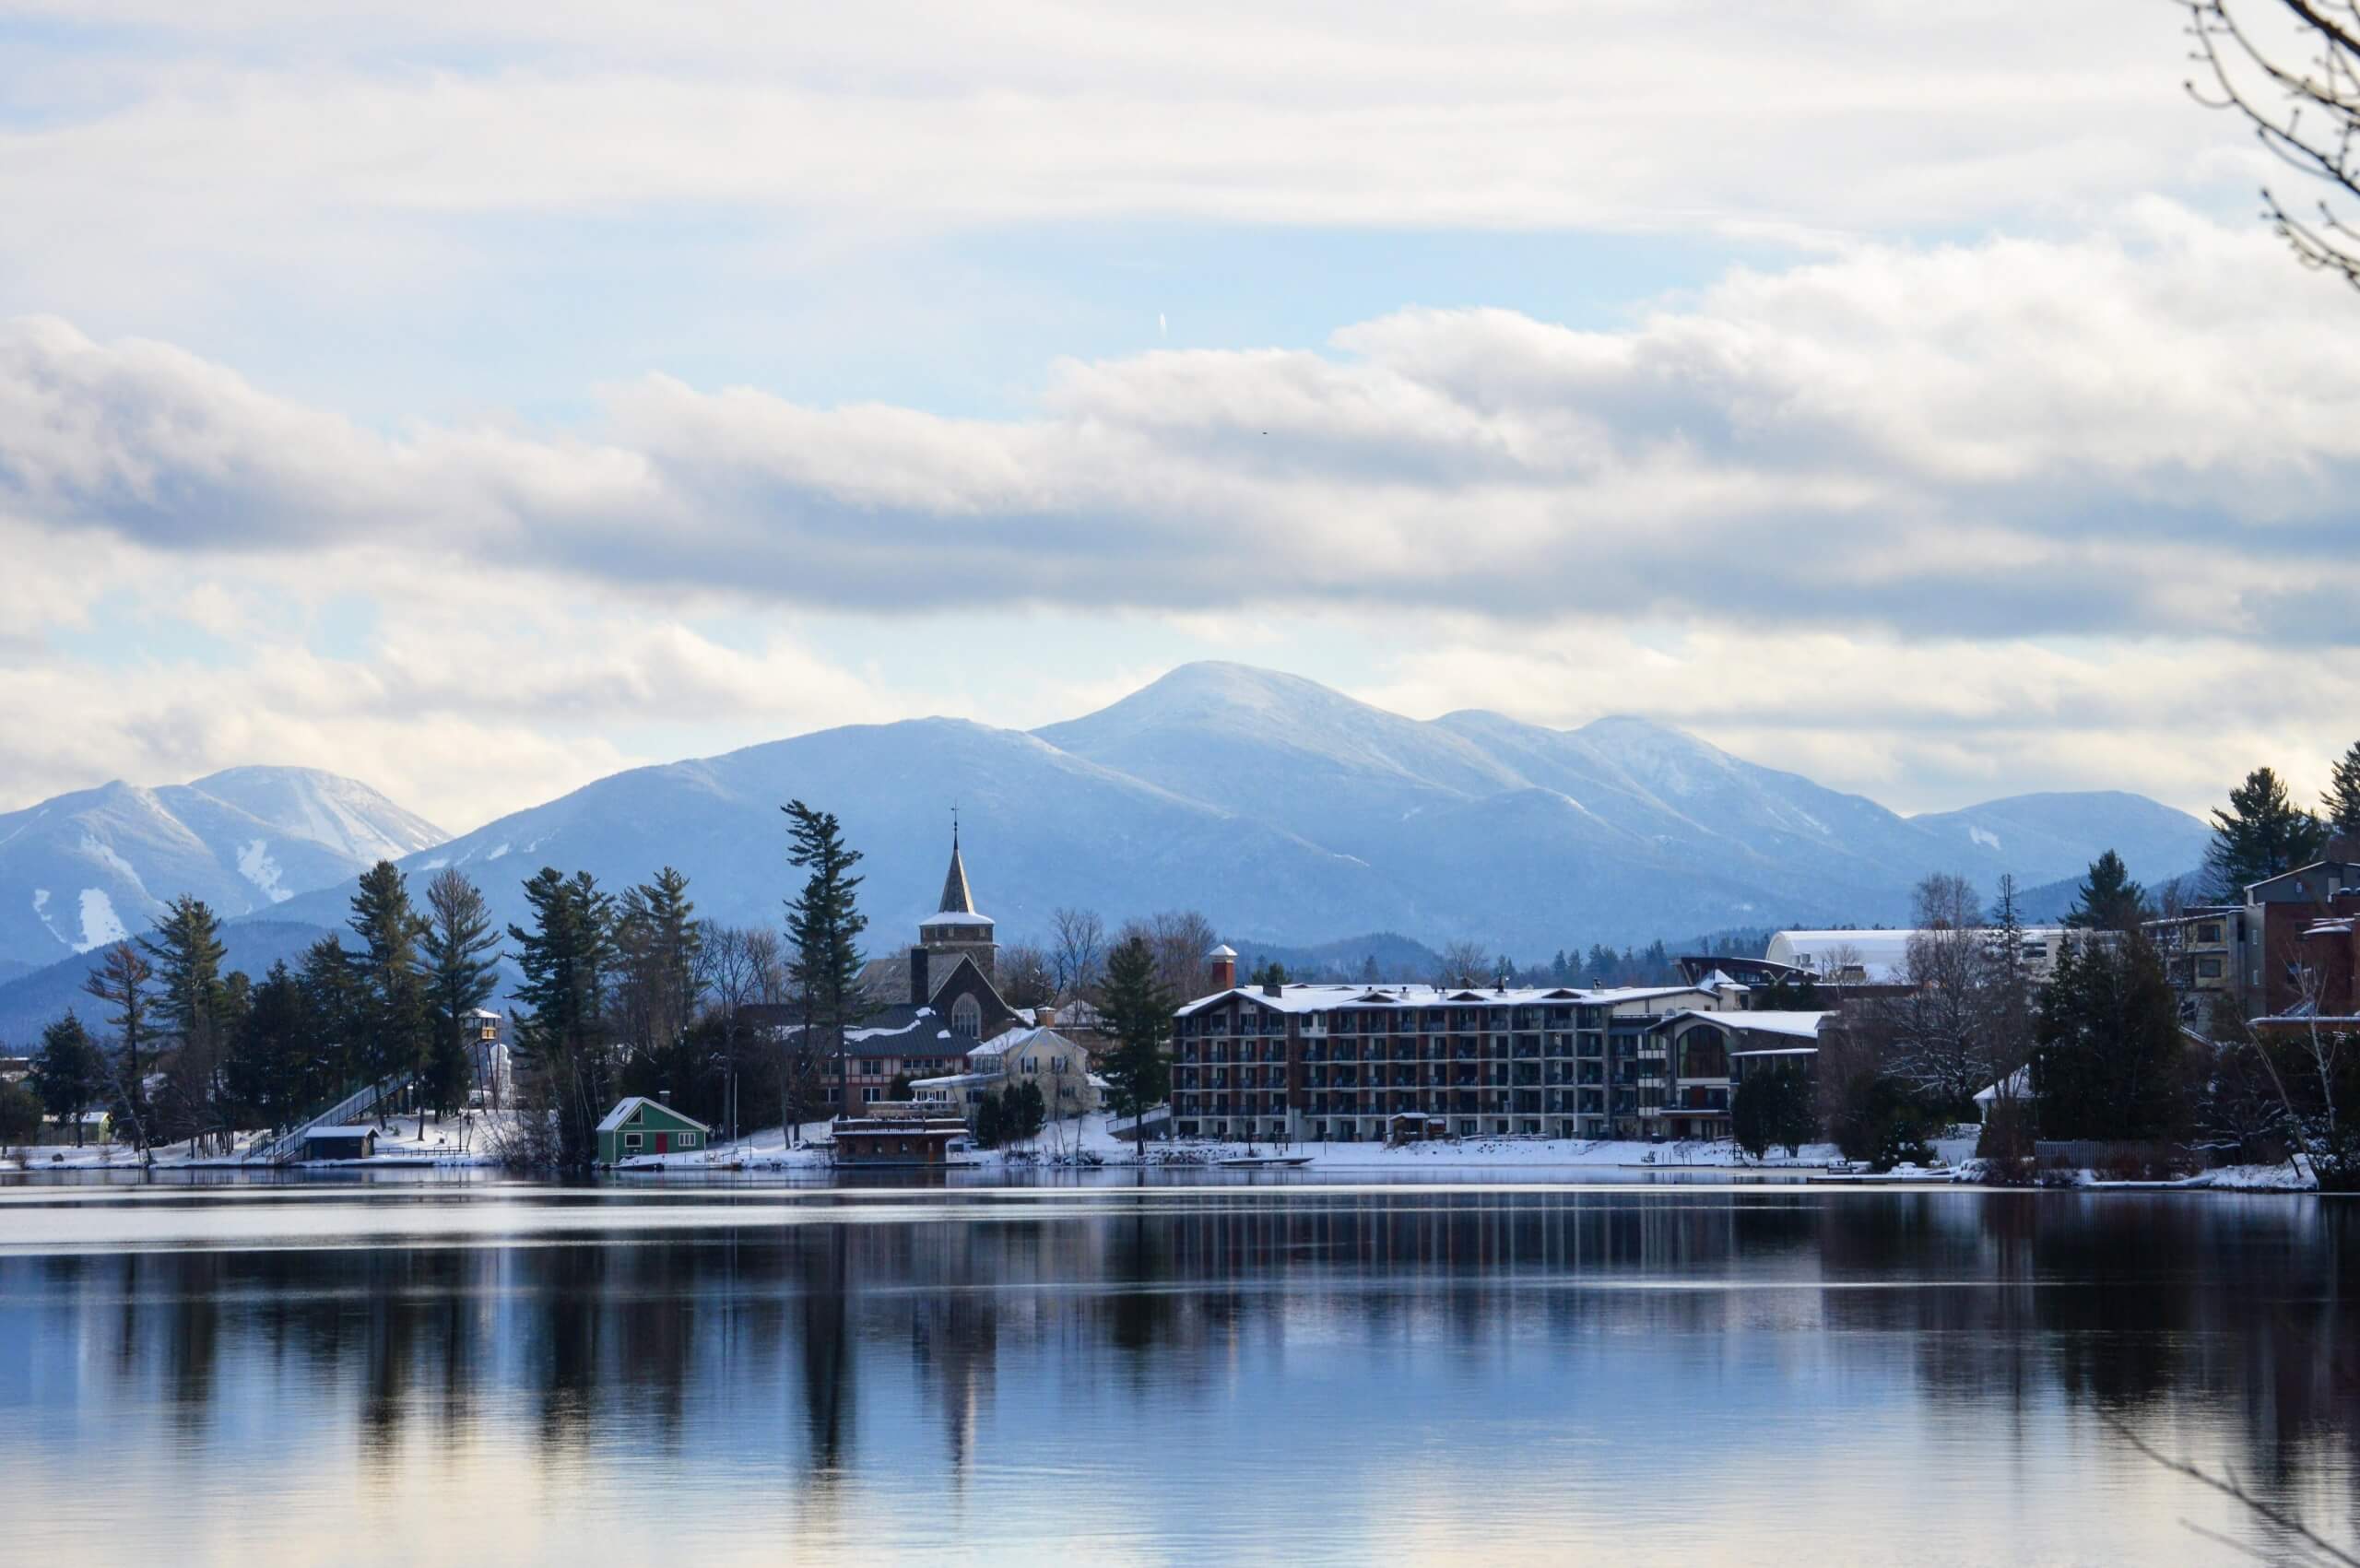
{"x":966,"y":1018}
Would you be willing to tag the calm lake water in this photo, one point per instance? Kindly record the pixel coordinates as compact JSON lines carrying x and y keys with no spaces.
{"x":475,"y":1372}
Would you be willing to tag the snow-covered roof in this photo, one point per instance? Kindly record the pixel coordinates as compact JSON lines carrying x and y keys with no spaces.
{"x":1884,"y":956}
{"x":2018,"y":1083}
{"x":627,"y":1107}
{"x":1315,"y":999}
{"x":1776,"y":1051}
{"x":362,"y":1131}
{"x":955,"y":1080}
{"x":956,"y":918}
{"x":1803,"y":1025}
{"x":1224,"y":951}
{"x":1799,"y":1025}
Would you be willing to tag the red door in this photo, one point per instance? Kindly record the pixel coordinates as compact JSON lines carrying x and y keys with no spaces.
{"x":663,"y":1143}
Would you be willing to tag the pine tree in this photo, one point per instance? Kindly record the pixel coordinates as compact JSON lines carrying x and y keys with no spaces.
{"x":124,"y":980}
{"x":462,"y":956}
{"x":2110,"y":900}
{"x":824,"y":927}
{"x":658,"y":942}
{"x":1136,"y":1012}
{"x":2107,"y":1051}
{"x":267,"y":1075}
{"x":69,"y":1073}
{"x":390,"y":991}
{"x":562,"y":1036}
{"x":330,"y":1068}
{"x":2343,"y":796}
{"x":193,"y":1004}
{"x":2259,"y":834}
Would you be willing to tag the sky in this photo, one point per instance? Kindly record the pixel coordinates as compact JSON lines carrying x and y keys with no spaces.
{"x":475,"y":400}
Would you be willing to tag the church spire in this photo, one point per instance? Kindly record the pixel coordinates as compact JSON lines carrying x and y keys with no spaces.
{"x":956,"y":898}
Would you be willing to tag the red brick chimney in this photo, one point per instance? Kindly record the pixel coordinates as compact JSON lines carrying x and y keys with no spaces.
{"x":1223,"y":960}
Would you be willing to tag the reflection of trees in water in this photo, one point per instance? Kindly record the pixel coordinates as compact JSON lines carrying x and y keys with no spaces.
{"x":2119,"y":1303}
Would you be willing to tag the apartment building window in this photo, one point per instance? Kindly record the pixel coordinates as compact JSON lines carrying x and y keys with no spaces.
{"x":2209,"y":933}
{"x":2208,"y":969}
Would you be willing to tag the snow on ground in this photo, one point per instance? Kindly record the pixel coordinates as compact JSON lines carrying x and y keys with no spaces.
{"x":255,"y":865}
{"x":410,"y":1140}
{"x":100,"y":924}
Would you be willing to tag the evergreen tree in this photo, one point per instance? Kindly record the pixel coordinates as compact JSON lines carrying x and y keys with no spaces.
{"x":331,"y":1005}
{"x":989,"y":1133}
{"x":2110,"y":900}
{"x":2343,"y":796}
{"x":2107,"y":1048}
{"x":123,"y":981}
{"x":1029,"y":1111}
{"x":563,"y":1033}
{"x":69,"y":1073}
{"x":19,"y":1115}
{"x":824,"y":927}
{"x":194,"y":1006}
{"x":462,"y":957}
{"x":1136,"y":1012}
{"x":2259,"y":834}
{"x":389,"y":995}
{"x":1270,"y":972}
{"x":1774,"y":1106}
{"x":657,"y":945}
{"x":269,"y":1076}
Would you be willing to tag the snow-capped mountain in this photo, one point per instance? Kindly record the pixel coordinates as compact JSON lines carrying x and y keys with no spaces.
{"x":87,"y":868}
{"x":1287,"y":812}
{"x":1290,"y":812}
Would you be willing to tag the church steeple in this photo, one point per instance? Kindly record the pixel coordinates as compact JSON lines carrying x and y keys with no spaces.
{"x":956,"y":898}
{"x":957,"y":927}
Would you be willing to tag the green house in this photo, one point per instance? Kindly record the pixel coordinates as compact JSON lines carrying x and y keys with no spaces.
{"x":639,"y":1125}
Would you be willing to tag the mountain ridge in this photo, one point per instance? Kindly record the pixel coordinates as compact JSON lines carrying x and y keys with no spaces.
{"x":1288,"y":813}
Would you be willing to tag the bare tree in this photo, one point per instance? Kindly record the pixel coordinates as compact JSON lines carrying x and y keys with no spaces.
{"x":1937,"y":1031}
{"x":1025,"y":976}
{"x":1077,"y":951}
{"x":1465,"y":963}
{"x":1180,"y":939}
{"x":2291,"y":69}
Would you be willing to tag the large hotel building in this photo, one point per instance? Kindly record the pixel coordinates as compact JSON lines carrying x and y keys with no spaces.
{"x":1355,"y":1062}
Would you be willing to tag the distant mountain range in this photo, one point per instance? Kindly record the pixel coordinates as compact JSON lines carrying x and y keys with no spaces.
{"x":1289,"y":813}
{"x":87,"y":868}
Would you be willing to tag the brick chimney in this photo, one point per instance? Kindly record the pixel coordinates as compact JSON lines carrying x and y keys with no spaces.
{"x":1223,"y":960}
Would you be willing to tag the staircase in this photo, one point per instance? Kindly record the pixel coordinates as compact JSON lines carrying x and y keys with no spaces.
{"x":286,"y":1146}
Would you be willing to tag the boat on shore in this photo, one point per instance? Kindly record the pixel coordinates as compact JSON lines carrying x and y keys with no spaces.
{"x":1263,"y":1161}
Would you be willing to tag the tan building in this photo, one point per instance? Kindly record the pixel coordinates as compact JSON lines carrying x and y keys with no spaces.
{"x":1056,"y":1064}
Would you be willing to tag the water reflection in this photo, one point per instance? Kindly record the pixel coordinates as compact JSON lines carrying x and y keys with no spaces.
{"x":1668,"y":1375}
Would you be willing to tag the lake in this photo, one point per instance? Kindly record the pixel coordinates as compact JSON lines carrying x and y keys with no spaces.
{"x":470,"y":1371}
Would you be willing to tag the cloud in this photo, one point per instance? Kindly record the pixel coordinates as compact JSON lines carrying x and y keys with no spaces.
{"x":2152,"y":435}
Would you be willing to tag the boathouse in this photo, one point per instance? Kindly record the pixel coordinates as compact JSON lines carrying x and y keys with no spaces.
{"x":639,"y":1125}
{"x":341,"y":1143}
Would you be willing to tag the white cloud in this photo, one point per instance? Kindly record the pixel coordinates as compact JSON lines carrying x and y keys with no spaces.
{"x":2147,"y":436}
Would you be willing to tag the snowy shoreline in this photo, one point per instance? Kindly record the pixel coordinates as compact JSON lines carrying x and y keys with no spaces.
{"x":416,"y":1143}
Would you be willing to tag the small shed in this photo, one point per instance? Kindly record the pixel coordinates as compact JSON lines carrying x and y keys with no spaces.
{"x":639,"y":1125}
{"x":341,"y":1143}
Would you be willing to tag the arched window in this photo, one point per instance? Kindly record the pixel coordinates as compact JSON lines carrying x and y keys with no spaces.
{"x":966,"y":1018}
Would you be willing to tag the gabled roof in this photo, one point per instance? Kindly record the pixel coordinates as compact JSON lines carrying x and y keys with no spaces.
{"x":630,"y":1105}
